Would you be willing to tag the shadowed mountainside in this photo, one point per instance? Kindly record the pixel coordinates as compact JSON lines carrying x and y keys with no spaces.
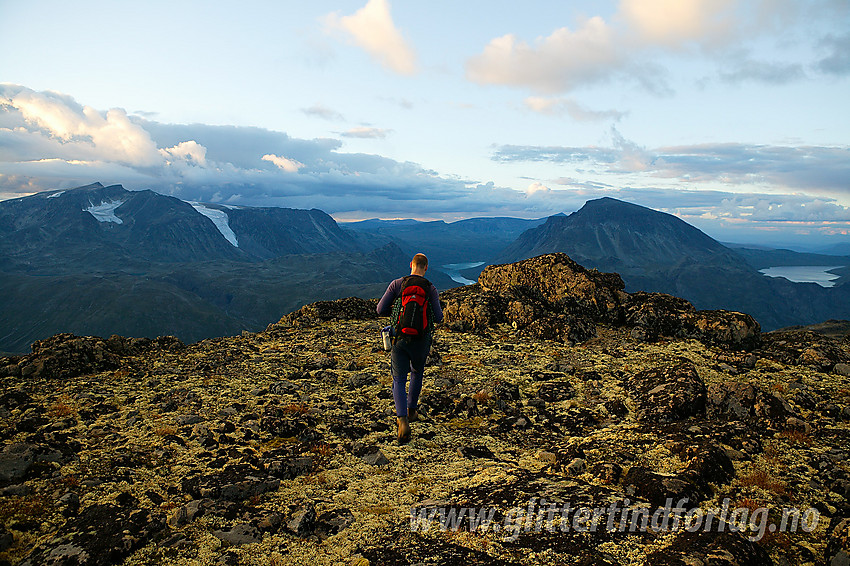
{"x":655,"y":251}
{"x":105,"y":260}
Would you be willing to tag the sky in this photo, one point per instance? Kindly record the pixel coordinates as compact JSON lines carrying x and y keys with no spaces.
{"x":733,"y":115}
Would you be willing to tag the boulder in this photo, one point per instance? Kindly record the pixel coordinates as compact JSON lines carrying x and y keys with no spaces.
{"x":746,"y":403}
{"x":472,"y":309}
{"x":652,"y":315}
{"x":661,"y":489}
{"x":804,"y":348}
{"x":350,"y":308}
{"x":838,"y":543}
{"x":668,"y":393}
{"x":564,"y":284}
{"x":100,"y":535}
{"x":721,"y":549}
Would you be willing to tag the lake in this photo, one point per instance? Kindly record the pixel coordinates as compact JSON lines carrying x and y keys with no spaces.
{"x":453,"y":270}
{"x":804,"y":273}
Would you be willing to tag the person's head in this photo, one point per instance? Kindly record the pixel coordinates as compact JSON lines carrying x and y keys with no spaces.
{"x":419,"y":264}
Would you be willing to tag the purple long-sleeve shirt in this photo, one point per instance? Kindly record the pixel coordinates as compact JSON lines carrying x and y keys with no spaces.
{"x":385,"y":305}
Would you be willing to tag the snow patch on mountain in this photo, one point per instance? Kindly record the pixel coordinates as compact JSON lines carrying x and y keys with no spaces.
{"x":54,"y":195}
{"x":105,"y":211}
{"x":219,"y":218}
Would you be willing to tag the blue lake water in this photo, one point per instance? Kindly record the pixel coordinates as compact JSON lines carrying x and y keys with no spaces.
{"x":804,"y":273}
{"x":453,"y":271}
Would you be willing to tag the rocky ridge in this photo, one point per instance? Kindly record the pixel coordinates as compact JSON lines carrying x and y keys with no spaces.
{"x":547,"y":384}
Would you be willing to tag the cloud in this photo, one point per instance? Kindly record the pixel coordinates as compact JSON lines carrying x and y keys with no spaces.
{"x":324,"y":112}
{"x":288,"y":165}
{"x":774,"y":73}
{"x":556,"y":106}
{"x":372,"y":28}
{"x":557,"y":63}
{"x":537,"y":187}
{"x":678,"y":22}
{"x":635,"y":43}
{"x":817,"y":168}
{"x":63,"y":127}
{"x":364,"y":132}
{"x":837,"y":62}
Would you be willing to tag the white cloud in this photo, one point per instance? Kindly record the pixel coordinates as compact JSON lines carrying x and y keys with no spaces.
{"x":537,"y":187}
{"x":557,"y":106}
{"x":364,"y":132}
{"x":642,"y":36}
{"x":677,"y":22}
{"x":58,"y":122}
{"x":557,"y":63}
{"x":288,"y":165}
{"x":372,"y":28}
{"x":321,"y":111}
{"x":190,"y":152}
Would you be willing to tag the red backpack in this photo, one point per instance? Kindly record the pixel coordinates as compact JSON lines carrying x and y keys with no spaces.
{"x":413,"y":313}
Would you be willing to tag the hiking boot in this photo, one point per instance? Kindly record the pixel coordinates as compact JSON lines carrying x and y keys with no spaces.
{"x":412,"y":415}
{"x":403,"y":430}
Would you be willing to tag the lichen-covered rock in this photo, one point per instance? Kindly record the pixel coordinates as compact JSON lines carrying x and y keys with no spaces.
{"x":745,"y":402}
{"x":727,"y":329}
{"x":350,"y":308}
{"x":838,"y":545}
{"x":562,"y":282}
{"x":804,"y":348}
{"x":66,"y":355}
{"x":656,"y":314}
{"x":669,"y":393}
{"x":652,"y":315}
{"x":471,"y":309}
{"x":101,"y":535}
{"x":716,"y":549}
{"x":661,"y":490}
{"x":708,"y":464}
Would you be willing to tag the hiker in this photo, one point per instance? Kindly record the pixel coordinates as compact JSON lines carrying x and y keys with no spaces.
{"x":413,"y":316}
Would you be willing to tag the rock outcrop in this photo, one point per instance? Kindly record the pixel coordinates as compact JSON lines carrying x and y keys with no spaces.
{"x":552,"y":297}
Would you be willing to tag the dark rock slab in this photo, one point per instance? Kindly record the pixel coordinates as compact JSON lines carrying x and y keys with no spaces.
{"x":803,"y":348}
{"x":660,"y":489}
{"x":717,"y":549}
{"x":303,"y":520}
{"x":100,"y":535}
{"x":240,"y":534}
{"x":475,"y":452}
{"x":668,"y":393}
{"x":555,"y":391}
{"x":332,"y":522}
{"x":838,"y":544}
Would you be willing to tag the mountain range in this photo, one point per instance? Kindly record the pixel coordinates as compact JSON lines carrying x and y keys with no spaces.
{"x":102,"y":260}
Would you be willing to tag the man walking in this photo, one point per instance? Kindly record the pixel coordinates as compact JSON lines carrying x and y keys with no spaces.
{"x":414,"y":306}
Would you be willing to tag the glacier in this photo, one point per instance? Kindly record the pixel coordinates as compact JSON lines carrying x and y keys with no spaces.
{"x":105,"y":211}
{"x":219,"y":218}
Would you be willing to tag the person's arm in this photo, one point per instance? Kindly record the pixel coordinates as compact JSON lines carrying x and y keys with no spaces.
{"x":385,"y":305}
{"x":434,"y":299}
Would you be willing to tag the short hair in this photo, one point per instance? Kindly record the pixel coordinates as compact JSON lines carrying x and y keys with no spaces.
{"x":420,"y":261}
